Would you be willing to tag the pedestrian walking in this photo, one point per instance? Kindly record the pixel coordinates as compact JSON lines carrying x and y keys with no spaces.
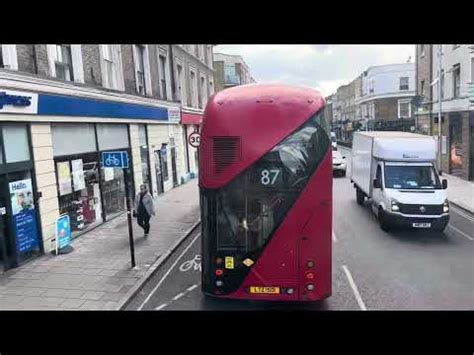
{"x":144,"y":209}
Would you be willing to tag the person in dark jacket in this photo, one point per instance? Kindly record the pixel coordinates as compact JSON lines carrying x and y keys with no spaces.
{"x":144,"y":209}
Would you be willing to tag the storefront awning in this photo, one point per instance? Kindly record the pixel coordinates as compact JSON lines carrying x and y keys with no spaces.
{"x":191,"y":118}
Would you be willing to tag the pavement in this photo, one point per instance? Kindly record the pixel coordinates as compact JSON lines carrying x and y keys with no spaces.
{"x":97,"y":275}
{"x":460,"y":192}
{"x":372,"y":269}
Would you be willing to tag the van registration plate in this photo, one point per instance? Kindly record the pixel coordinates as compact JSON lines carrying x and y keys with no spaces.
{"x":421,"y":225}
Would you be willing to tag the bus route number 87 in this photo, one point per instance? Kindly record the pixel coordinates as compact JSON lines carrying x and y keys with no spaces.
{"x":269,"y":176}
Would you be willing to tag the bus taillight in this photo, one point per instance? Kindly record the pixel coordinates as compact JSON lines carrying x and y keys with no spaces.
{"x":310,"y":275}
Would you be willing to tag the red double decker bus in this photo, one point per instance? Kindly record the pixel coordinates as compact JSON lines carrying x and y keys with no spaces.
{"x":266,"y":194}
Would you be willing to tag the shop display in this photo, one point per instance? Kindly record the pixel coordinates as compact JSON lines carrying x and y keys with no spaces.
{"x":64,"y":178}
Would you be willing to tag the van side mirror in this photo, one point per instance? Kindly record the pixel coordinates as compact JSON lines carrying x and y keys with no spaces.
{"x":445,"y":184}
{"x":376,"y":184}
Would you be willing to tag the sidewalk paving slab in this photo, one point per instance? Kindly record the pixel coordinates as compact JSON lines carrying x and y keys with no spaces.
{"x":97,"y":275}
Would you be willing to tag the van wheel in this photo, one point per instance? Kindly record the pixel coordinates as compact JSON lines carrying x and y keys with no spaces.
{"x":359,"y":196}
{"x":382,"y":222}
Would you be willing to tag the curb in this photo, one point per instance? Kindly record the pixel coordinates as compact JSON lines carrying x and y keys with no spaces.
{"x":137,"y":287}
{"x":462,"y":208}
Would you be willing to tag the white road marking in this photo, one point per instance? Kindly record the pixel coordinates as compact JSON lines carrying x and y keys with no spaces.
{"x":177,"y":297}
{"x":462,"y":213}
{"x":161,"y":307}
{"x":460,"y":232}
{"x":192,"y":287}
{"x":354,"y":288}
{"x":334,"y":239}
{"x":168,"y":272}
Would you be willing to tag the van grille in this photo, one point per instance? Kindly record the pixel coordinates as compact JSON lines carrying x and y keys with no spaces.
{"x":415,"y":209}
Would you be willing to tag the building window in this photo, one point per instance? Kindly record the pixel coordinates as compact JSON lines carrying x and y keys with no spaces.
{"x":163,"y":71}
{"x":455,"y":46}
{"x":457,"y":81}
{"x":211,"y":88}
{"x":196,"y":50}
{"x":140,"y":69}
{"x":8,"y":56}
{"x":203,"y":91}
{"x":371,"y":86}
{"x":472,"y":70}
{"x":422,"y":89}
{"x":404,"y":109}
{"x":442,"y":84}
{"x":404,"y":83}
{"x":193,"y":90}
{"x":209,"y":56}
{"x":422,"y":50}
{"x":179,"y":75}
{"x":112,"y":67}
{"x":63,"y":62}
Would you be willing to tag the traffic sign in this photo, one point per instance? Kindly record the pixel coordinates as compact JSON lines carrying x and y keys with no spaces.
{"x":115,"y":159}
{"x":194,"y":139}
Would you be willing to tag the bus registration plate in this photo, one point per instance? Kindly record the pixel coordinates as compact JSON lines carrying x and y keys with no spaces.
{"x":265,"y":290}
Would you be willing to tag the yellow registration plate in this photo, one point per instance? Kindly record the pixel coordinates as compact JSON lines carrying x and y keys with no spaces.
{"x":265,"y":290}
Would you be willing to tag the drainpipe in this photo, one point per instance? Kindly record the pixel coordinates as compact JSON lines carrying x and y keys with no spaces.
{"x":35,"y":60}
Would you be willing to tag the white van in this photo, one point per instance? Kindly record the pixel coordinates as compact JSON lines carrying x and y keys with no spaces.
{"x":396,"y":171}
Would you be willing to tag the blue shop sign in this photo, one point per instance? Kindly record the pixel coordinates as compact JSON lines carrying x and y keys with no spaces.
{"x":14,"y":100}
{"x":83,"y":107}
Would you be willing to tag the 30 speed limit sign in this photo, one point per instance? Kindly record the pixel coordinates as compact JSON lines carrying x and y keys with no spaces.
{"x":194,"y":139}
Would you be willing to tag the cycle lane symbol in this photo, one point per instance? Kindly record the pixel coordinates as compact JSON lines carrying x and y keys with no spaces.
{"x":194,"y":264}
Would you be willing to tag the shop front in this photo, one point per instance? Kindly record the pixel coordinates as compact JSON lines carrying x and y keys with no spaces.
{"x":20,"y":238}
{"x":87,"y":192}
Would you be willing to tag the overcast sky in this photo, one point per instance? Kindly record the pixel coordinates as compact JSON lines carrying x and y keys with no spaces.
{"x":324,"y":67}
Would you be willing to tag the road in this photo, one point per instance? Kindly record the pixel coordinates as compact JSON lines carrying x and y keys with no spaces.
{"x":372,"y":269}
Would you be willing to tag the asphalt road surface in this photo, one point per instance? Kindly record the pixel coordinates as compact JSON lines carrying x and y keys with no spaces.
{"x":372,"y":269}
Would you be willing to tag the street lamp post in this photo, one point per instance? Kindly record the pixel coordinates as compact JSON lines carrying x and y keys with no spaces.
{"x":439,"y":106}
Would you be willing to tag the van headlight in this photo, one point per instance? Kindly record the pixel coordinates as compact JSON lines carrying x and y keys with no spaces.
{"x":395,"y":206}
{"x":446,"y":206}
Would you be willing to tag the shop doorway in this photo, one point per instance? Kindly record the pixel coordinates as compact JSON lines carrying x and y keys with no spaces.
{"x":159,"y":172}
{"x":19,"y":229}
{"x":173,"y":166}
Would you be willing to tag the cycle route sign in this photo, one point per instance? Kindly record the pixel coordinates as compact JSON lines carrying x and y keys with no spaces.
{"x":118,"y":159}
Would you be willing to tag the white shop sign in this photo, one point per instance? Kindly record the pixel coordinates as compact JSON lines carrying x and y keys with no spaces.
{"x":12,"y":101}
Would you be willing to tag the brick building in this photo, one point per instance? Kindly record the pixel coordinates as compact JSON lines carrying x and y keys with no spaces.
{"x":61,"y":106}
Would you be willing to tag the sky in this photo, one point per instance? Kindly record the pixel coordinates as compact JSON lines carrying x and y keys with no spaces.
{"x":323,"y":67}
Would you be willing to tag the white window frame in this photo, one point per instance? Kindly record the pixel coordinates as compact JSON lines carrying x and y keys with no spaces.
{"x":165,"y":75}
{"x":404,"y":101}
{"x":203,"y":90}
{"x":76,"y":57}
{"x":116,"y":81}
{"x":180,"y":80}
{"x":456,"y":67}
{"x":400,"y":83}
{"x":193,"y":87}
{"x":146,"y":68}
{"x":9,"y":56}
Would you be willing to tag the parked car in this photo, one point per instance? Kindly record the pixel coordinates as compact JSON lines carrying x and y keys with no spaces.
{"x":333,"y":140}
{"x":339,"y":164}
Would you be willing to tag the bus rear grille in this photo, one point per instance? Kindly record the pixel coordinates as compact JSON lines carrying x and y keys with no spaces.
{"x":226,"y":151}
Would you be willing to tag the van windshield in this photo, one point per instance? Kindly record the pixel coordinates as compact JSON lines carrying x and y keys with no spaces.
{"x":411,"y":177}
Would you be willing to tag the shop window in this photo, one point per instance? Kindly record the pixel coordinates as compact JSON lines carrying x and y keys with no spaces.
{"x":112,"y":136}
{"x":163,"y":72}
{"x":73,"y":138}
{"x":15,"y":138}
{"x":404,"y":109}
{"x":79,"y":190}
